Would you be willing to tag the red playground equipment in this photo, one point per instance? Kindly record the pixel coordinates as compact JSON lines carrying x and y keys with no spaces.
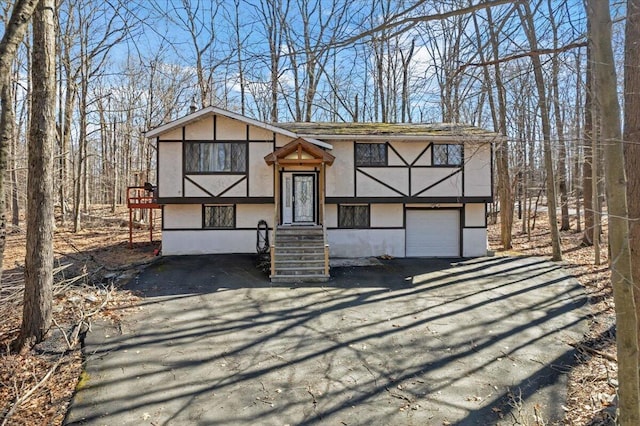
{"x":141,"y":197}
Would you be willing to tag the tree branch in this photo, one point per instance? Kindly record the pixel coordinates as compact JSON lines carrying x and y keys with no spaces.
{"x":412,"y":21}
{"x":536,"y":52}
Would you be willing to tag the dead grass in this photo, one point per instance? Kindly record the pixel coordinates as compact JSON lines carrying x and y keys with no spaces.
{"x":36,"y":387}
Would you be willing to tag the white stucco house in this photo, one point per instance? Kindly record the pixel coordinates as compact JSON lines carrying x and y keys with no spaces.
{"x":367,"y":189}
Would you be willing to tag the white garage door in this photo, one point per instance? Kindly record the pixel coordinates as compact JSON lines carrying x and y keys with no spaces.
{"x":433,"y":233}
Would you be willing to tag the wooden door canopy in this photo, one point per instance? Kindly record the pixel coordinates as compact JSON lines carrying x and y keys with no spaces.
{"x":299,"y":152}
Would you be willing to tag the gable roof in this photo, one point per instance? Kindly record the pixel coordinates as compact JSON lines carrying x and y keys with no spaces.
{"x":298,"y":146}
{"x":211,"y":110}
{"x":317,"y":133}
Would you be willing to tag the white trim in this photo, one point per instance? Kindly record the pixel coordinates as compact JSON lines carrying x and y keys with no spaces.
{"x":210,"y":110}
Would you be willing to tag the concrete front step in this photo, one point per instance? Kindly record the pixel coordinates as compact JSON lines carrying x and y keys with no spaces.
{"x":299,"y":278}
{"x":285,"y":228}
{"x":303,"y":248}
{"x":296,"y":252}
{"x":303,"y":237}
{"x":299,"y":255}
{"x":299,"y":239}
{"x":299,"y":235}
{"x":297,"y":270}
{"x":299,"y":244}
{"x":300,"y":262}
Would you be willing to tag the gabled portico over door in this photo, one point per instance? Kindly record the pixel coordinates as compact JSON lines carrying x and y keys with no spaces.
{"x":299,"y":171}
{"x":299,"y":253}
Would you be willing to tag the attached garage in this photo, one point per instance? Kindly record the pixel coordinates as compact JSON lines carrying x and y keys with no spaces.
{"x":433,"y":233}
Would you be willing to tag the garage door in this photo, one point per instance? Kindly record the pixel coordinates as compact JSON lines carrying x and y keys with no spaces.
{"x":433,"y":233}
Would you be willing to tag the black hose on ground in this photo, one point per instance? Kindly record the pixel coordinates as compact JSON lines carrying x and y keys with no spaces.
{"x":262,"y":238}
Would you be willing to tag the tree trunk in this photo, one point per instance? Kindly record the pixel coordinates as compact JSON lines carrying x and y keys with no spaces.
{"x":595,"y":166}
{"x":14,"y":32}
{"x":577,"y":143}
{"x":632,"y":136}
{"x":405,"y":113}
{"x":621,"y":278}
{"x":38,"y":293}
{"x":502,"y":151}
{"x":528,"y":24}
{"x":562,"y":147}
{"x":7,"y":138}
{"x":587,"y":163}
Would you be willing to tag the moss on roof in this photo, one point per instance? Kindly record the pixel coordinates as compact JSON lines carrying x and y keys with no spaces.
{"x":380,"y":129}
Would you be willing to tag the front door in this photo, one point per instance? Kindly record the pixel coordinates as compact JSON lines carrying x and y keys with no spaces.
{"x":298,"y":198}
{"x":304,"y":198}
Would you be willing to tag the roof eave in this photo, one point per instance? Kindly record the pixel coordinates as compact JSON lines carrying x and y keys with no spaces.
{"x":214,"y":110}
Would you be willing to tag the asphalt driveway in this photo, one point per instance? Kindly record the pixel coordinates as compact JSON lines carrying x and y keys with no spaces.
{"x":402,"y":342}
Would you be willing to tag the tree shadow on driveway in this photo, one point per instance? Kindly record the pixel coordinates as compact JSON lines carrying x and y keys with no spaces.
{"x":411,"y":341}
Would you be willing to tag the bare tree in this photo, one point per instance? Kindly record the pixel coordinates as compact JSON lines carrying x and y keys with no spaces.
{"x":98,"y":28}
{"x":577,"y":145}
{"x":631,"y":138}
{"x":589,"y":172}
{"x":14,"y":32}
{"x":621,"y":276}
{"x":273,"y":15}
{"x":557,"y":112}
{"x":38,"y":294}
{"x":529,"y":27}
{"x":499,"y":115}
{"x":310,"y":43}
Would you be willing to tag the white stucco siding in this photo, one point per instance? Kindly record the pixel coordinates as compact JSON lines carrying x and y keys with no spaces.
{"x":230,"y":129}
{"x":387,"y":215}
{"x":260,"y":173}
{"x":367,"y":187}
{"x":410,"y":152}
{"x":474,"y":242}
{"x":474,"y":215}
{"x":381,"y":180}
{"x":340,"y":175}
{"x":282,"y":140}
{"x":173,"y":135}
{"x":208,"y":242}
{"x":199,"y":130}
{"x":248,"y":215}
{"x":182,"y":216}
{"x":477,"y":169}
{"x":331,"y":215}
{"x":216,"y":185}
{"x":258,"y":134}
{"x":425,"y":177}
{"x":365,"y":242}
{"x":170,"y":169}
{"x":394,"y":159}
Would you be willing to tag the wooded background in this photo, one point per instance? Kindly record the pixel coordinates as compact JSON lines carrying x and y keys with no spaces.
{"x":81,"y":81}
{"x":124,"y":68}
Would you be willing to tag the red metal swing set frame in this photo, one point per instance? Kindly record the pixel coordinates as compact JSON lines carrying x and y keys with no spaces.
{"x":139,"y":197}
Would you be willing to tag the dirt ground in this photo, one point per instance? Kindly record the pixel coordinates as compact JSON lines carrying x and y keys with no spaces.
{"x":36,"y":387}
